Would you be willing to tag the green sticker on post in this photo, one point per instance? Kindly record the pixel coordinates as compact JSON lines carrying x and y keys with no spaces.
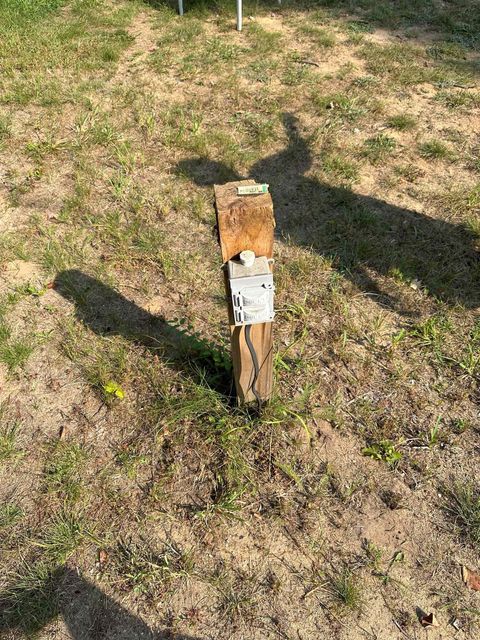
{"x":252,"y":189}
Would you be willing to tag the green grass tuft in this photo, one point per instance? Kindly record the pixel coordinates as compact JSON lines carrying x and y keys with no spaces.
{"x":341,"y":106}
{"x":340,"y":167}
{"x":378,"y":147}
{"x":435,"y":150}
{"x":15,"y":353}
{"x":321,"y":37}
{"x":8,"y":446}
{"x":10,"y":514}
{"x":345,"y":589}
{"x":463,"y":504}
{"x":263,"y":42}
{"x":61,"y":538}
{"x":402,"y":122}
{"x":63,"y":470}
{"x":459,"y":100}
{"x":30,"y":601}
{"x":148,"y":572}
{"x":238,"y":596}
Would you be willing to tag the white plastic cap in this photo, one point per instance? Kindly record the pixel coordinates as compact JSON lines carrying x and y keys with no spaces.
{"x":247,"y":258}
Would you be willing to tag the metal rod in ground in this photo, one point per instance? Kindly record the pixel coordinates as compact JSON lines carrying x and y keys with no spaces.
{"x":239,"y":15}
{"x":180,"y":7}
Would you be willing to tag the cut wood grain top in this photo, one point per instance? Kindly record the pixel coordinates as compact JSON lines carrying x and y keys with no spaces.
{"x":244,"y":222}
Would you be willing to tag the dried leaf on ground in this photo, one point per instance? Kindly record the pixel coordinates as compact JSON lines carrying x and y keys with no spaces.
{"x":429,"y":620}
{"x":471,"y":579}
{"x":102,"y":558}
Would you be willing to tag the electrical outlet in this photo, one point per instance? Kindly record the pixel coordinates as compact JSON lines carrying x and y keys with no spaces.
{"x":252,"y":291}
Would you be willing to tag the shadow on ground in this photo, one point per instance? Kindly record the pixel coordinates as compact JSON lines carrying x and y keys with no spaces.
{"x":365,"y":237}
{"x":88,"y":613}
{"x":107,"y":312}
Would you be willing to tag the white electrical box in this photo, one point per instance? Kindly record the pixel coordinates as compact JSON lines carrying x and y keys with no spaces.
{"x":252,"y":290}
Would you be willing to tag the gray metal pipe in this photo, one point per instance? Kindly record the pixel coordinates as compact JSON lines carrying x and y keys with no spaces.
{"x":239,"y":15}
{"x":180,"y":7}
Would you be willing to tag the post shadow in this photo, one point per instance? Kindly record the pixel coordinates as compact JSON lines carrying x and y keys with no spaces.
{"x":107,"y":312}
{"x":359,"y":233}
{"x":88,"y":613}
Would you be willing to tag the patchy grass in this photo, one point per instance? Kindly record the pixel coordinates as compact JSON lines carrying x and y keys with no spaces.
{"x":464,"y":507}
{"x":128,"y":472}
{"x":402,"y":122}
{"x":90,"y":41}
{"x":460,"y":200}
{"x":8,"y":447}
{"x":10,"y":514}
{"x":238,"y":596}
{"x":320,"y":37}
{"x":63,"y":470}
{"x":342,"y":106}
{"x":435,"y":150}
{"x":378,"y":147}
{"x":345,"y":589}
{"x":15,"y":353}
{"x":340,"y":167}
{"x":61,"y":538}
{"x":459,"y":99}
{"x":14,"y":350}
{"x":31,"y":599}
{"x":151,"y":573}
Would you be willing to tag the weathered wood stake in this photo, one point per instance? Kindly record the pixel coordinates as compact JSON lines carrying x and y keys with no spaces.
{"x":247,"y":222}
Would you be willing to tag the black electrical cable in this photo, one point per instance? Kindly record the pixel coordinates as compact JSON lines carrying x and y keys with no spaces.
{"x":256,"y":366}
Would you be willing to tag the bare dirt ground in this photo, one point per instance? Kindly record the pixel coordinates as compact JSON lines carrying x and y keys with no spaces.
{"x":136,"y":500}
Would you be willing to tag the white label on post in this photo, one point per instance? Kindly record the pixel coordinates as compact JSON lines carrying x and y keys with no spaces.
{"x":252,"y":189}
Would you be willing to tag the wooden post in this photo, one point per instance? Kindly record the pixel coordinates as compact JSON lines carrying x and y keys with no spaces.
{"x":247,"y":222}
